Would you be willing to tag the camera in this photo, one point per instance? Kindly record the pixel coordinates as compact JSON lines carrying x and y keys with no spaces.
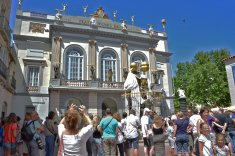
{"x":40,"y":144}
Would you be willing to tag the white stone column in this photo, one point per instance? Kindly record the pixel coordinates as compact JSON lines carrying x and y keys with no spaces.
{"x":124,"y":64}
{"x":92,"y":60}
{"x":56,"y":57}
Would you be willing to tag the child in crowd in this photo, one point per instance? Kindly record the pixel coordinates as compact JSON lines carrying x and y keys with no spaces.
{"x":205,"y":144}
{"x":170,"y":131}
{"x":221,"y":149}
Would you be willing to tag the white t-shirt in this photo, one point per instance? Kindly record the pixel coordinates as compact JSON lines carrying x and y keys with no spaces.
{"x":75,"y":145}
{"x":144,"y":125}
{"x":222,"y":151}
{"x":120,"y":135}
{"x":207,"y":148}
{"x":193,"y":120}
{"x":132,"y":124}
{"x":170,"y":131}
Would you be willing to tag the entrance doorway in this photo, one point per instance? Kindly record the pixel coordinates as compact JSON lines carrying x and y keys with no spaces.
{"x":109,"y":103}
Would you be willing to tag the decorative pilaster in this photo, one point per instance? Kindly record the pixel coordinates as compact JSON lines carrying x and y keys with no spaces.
{"x":56,"y":57}
{"x":124,"y":64}
{"x":92,"y":60}
{"x":152,"y":60}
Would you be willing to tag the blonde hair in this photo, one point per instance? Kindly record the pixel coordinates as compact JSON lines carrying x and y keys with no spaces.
{"x":157,"y":120}
{"x":220,"y":137}
{"x":180,"y":114}
{"x":96,"y":121}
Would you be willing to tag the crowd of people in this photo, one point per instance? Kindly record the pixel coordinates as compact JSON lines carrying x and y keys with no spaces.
{"x":205,"y":133}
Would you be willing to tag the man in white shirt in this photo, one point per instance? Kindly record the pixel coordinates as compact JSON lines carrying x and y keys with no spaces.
{"x":193,"y":121}
{"x":132,"y":135}
{"x":145,"y":125}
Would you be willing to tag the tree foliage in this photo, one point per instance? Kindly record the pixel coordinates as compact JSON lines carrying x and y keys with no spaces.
{"x":204,"y":79}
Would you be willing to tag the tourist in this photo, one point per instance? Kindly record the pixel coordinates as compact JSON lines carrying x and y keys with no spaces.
{"x":159,"y":135}
{"x":10,"y":133}
{"x":170,"y":130}
{"x":97,"y":145}
{"x":120,"y":136}
{"x":123,"y":122}
{"x":204,"y":112}
{"x":24,"y":147}
{"x":145,"y":130}
{"x":35,"y":144}
{"x":132,"y":134}
{"x":205,"y":144}
{"x":19,"y":141}
{"x":1,"y":137}
{"x":220,"y":148}
{"x":180,"y":134}
{"x":72,"y":139}
{"x":50,"y":133}
{"x":108,"y":128}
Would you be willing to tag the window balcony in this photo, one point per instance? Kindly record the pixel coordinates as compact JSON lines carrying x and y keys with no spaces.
{"x":3,"y":69}
{"x":86,"y":84}
{"x":5,"y":29}
{"x":32,"y":89}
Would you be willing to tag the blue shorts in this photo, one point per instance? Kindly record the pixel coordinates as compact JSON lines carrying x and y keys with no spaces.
{"x":9,"y":145}
{"x":182,"y":147}
{"x":134,"y":141}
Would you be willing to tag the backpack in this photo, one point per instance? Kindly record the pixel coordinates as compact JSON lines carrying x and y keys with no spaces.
{"x":26,"y":132}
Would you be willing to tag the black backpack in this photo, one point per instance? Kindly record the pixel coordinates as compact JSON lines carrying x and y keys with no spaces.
{"x":26,"y":132}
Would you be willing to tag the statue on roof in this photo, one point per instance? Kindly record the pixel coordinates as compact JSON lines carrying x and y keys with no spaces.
{"x":58,"y":15}
{"x":150,"y":30}
{"x":85,"y":10}
{"x":124,"y":26}
{"x":99,"y":13}
{"x":132,"y":19}
{"x":19,"y":4}
{"x":93,"y":21}
{"x":115,"y":15}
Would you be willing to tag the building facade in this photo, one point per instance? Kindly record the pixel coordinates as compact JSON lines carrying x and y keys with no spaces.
{"x":230,"y":70}
{"x":85,"y":60}
{"x":7,"y":60}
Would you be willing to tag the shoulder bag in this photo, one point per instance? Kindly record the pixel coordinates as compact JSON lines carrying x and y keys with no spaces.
{"x":55,"y":134}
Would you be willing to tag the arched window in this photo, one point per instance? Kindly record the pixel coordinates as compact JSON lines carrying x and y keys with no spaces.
{"x":108,"y":64}
{"x":74,"y":64}
{"x":138,"y":58}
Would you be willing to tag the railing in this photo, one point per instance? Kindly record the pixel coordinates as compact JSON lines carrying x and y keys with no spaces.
{"x":3,"y":69}
{"x":87,"y":84}
{"x":13,"y":83}
{"x":113,"y":85}
{"x":32,"y":89}
{"x":75,"y":83}
{"x":4,"y":27}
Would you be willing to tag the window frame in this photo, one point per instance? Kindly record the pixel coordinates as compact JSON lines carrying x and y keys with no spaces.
{"x":80,"y":60}
{"x":108,"y":56}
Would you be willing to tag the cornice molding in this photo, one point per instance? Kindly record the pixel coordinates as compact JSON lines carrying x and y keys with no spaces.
{"x":33,"y":38}
{"x":57,"y":28}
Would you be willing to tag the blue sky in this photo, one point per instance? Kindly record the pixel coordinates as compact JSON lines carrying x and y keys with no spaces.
{"x":192,"y":25}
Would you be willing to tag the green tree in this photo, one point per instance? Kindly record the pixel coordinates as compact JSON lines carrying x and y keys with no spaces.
{"x":204,"y":79}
